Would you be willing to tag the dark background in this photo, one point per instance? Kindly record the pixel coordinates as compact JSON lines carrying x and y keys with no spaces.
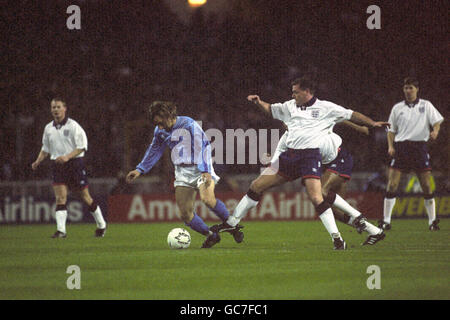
{"x":129,"y":53}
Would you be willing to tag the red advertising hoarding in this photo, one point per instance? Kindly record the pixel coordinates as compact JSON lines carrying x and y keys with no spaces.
{"x":273,"y":206}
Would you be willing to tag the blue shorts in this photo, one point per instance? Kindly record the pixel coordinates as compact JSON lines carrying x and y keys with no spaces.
{"x":72,"y":173}
{"x":301,"y":163}
{"x":342,"y":165}
{"x":411,"y":156}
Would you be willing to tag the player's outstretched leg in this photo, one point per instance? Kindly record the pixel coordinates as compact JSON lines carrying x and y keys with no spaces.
{"x":231,"y":225}
{"x":357,"y":219}
{"x":219,"y":209}
{"x":197,"y":224}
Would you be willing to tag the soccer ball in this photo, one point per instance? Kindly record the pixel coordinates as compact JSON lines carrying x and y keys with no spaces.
{"x":179,"y":238}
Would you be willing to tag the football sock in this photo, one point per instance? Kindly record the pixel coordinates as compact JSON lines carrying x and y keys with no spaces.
{"x":343,"y":205}
{"x":197,"y":224}
{"x":221,"y":210}
{"x":430,"y":207}
{"x":328,"y":221}
{"x":61,"y":217}
{"x":241,"y":210}
{"x":326,"y":216}
{"x":387,"y":209}
{"x":97,"y":214}
{"x":371,"y":229}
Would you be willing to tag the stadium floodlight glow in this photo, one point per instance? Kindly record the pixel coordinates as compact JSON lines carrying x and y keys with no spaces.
{"x":196,"y":3}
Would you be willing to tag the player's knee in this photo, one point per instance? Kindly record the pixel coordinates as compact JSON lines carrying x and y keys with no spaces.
{"x":186,"y":215}
{"x":257,"y":187}
{"x":61,"y":199}
{"x":210,"y":202}
{"x":392,"y":186}
{"x":316,"y":199}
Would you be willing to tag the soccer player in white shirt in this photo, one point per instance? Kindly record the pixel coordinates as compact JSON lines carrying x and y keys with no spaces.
{"x":310,"y":142}
{"x":410,"y":121}
{"x":65,"y":141}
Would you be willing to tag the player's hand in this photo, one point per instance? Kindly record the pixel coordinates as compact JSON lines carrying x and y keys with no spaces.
{"x":381,"y":124}
{"x":433,"y":135}
{"x":254,"y":98}
{"x":207,"y":178}
{"x":391,"y":152}
{"x":62,"y":159}
{"x":34,"y":165}
{"x":132,"y":175}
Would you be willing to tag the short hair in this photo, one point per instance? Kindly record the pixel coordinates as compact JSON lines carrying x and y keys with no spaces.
{"x":59,"y":98}
{"x":305,"y":82}
{"x":411,"y":81}
{"x":165,"y":109}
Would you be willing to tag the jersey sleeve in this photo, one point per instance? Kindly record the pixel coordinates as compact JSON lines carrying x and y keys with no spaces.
{"x":80,"y":138}
{"x":433,"y":114}
{"x":340,"y":113}
{"x":45,"y":142}
{"x":392,"y":121}
{"x":280,"y":111}
{"x":153,"y":154}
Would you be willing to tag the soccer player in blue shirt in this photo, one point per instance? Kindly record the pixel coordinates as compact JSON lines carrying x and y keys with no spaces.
{"x":191,"y":156}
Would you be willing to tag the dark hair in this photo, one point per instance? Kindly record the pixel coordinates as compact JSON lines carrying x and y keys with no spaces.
{"x":165,"y":109}
{"x":305,"y":82}
{"x":59,"y":98}
{"x":411,"y":81}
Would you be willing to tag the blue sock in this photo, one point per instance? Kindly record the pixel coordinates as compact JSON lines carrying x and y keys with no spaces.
{"x":197,"y":224}
{"x":221,"y":211}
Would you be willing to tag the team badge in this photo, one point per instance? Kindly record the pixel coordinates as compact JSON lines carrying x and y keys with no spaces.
{"x":66,"y":133}
{"x":422,"y":109}
{"x":315,"y":113}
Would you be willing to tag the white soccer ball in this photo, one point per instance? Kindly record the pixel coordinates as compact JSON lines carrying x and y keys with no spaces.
{"x":179,"y":238}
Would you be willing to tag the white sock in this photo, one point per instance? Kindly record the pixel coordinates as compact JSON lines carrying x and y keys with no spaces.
{"x":101,"y":224}
{"x":371,"y":229}
{"x":329,"y":222}
{"x":61,"y":217}
{"x":389,"y":204}
{"x":430,"y":206}
{"x":343,"y":205}
{"x":241,"y":210}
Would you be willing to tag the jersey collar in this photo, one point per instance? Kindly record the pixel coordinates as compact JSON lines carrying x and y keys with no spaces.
{"x":411,"y":105}
{"x":308,"y":104}
{"x":59,"y":125}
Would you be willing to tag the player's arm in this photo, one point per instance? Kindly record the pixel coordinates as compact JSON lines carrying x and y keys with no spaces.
{"x":41,"y":157}
{"x":151,"y":157}
{"x":65,"y":158}
{"x":264,"y":106}
{"x":435,"y":132}
{"x":362,"y":129}
{"x":359,"y":118}
{"x":390,"y":140}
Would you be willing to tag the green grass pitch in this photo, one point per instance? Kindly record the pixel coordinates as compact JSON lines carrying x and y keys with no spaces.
{"x":277,"y":260}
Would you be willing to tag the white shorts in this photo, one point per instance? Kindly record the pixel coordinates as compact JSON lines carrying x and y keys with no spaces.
{"x":190,"y":176}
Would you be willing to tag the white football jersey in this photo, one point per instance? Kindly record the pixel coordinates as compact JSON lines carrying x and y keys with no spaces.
{"x":312,"y":126}
{"x":61,"y":139}
{"x":413,"y":122}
